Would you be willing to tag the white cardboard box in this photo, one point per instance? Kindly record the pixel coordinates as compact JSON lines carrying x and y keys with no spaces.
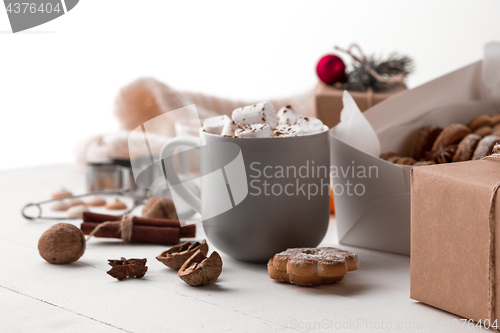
{"x":379,"y":219}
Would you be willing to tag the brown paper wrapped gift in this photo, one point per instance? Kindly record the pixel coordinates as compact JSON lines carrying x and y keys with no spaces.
{"x":328,"y":101}
{"x":453,"y":223}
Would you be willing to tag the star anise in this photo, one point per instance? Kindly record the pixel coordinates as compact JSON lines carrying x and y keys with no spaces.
{"x":124,"y":268}
{"x":442,"y":155}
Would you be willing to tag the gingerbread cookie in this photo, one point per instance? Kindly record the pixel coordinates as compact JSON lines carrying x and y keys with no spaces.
{"x":74,"y":202}
{"x":388,"y":155}
{"x":496,"y":130}
{"x":466,"y":148}
{"x":422,"y":163}
{"x":483,"y":131}
{"x":484,"y":147}
{"x":393,"y":159}
{"x":96,"y":201}
{"x":76,"y":211}
{"x":450,"y":135}
{"x":424,"y":141}
{"x":495,"y":119}
{"x":116,"y":205}
{"x":405,"y":161}
{"x":480,"y":121}
{"x":59,"y":206}
{"x":456,"y":143}
{"x":62,"y":193}
{"x":312,"y":266}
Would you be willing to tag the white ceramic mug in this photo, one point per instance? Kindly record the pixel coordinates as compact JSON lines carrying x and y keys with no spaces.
{"x":251,"y":210}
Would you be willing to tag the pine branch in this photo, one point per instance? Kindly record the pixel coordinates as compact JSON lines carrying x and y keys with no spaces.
{"x":359,"y":78}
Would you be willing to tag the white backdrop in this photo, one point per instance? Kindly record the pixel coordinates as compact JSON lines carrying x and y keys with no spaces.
{"x":58,"y":81}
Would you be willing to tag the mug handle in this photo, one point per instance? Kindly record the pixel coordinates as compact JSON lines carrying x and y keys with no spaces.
{"x":193,"y":200}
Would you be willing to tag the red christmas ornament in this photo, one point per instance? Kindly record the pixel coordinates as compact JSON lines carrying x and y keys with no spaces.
{"x":331,"y":69}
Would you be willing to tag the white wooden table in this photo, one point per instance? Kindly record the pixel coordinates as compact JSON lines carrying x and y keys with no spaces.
{"x":36,"y":296}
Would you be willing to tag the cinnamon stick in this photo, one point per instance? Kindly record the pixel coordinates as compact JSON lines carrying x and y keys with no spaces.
{"x":140,"y":233}
{"x":145,"y":230}
{"x":186,"y":231}
{"x":152,"y":222}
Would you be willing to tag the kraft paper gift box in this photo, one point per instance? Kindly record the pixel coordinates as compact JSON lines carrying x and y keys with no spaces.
{"x":455,"y":214}
{"x":328,"y":101}
{"x":380,"y":218}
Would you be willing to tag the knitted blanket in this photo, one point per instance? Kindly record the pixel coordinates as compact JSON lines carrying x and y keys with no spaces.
{"x":147,"y":98}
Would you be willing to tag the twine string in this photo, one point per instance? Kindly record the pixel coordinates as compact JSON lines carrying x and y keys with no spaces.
{"x":495,"y":155}
{"x":491,"y":250}
{"x":126,"y":225}
{"x":399,"y":78}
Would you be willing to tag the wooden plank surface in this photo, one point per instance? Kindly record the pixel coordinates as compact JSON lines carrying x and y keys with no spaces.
{"x":37,"y":296}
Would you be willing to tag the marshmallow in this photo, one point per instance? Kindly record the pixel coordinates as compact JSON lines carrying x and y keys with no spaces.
{"x":230,"y":127}
{"x":254,"y":131}
{"x":287,"y":130}
{"x":288,"y":115}
{"x":259,"y":113}
{"x":310,"y":125}
{"x":214,"y":125}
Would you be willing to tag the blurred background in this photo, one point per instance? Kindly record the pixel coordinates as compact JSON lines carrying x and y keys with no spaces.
{"x":59,"y":80}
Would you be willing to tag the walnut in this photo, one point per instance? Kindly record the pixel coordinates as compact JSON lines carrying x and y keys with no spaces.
{"x":61,"y":244}
{"x":199,"y":270}
{"x":177,"y":255}
{"x":160,"y":208}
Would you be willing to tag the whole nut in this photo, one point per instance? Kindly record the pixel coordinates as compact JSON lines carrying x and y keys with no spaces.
{"x":61,"y":244}
{"x":199,"y":270}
